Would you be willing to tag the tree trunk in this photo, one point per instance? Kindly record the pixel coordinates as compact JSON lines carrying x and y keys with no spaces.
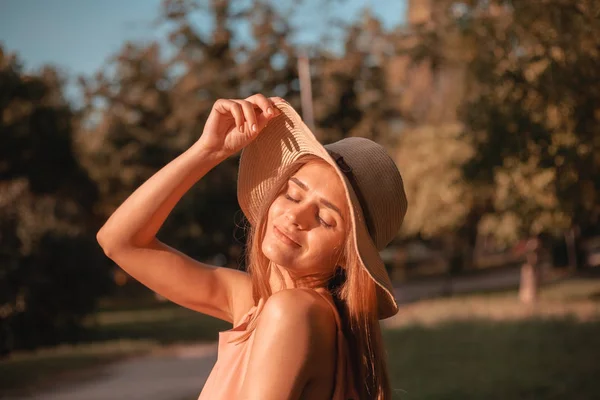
{"x":528,"y":288}
{"x":571,"y":248}
{"x":530,"y":273}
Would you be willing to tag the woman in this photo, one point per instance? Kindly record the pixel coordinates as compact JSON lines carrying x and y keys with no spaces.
{"x":306,"y":314}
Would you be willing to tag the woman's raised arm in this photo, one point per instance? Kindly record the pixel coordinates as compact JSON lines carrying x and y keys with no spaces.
{"x":129,"y":235}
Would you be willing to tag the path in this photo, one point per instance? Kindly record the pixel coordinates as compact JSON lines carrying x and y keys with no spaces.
{"x":177,"y":374}
{"x":502,"y":278}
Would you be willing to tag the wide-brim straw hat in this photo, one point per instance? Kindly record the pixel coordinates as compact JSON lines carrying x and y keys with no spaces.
{"x":372,"y":182}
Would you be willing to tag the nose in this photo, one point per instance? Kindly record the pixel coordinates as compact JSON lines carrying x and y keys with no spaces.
{"x":301,"y":215}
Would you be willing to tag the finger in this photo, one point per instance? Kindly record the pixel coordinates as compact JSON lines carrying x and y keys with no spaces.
{"x":249,"y":116}
{"x":264,"y":103}
{"x":225,"y":106}
{"x":277,"y":99}
{"x":264,"y":120}
{"x":238,"y":115}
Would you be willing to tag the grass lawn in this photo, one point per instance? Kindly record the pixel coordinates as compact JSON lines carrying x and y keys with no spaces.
{"x":489,"y":346}
{"x":482,"y":359}
{"x":165,"y":323}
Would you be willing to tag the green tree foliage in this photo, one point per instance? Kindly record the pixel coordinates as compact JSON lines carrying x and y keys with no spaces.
{"x":50,"y":272}
{"x":430,"y":159}
{"x":431,"y":152}
{"x":533,"y":114}
{"x":530,"y":114}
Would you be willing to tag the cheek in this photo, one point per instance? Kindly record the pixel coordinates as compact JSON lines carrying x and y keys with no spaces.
{"x":275,"y":210}
{"x":327,"y":245}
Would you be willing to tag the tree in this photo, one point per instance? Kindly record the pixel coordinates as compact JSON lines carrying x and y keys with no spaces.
{"x":50,"y":275}
{"x":431,"y":158}
{"x":145,"y":109}
{"x":532,"y":115}
{"x":427,"y":83}
{"x":352,"y":95}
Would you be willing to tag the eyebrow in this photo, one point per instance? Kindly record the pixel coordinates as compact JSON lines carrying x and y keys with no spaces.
{"x":325,"y":202}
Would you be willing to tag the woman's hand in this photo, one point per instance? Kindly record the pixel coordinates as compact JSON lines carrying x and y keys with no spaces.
{"x":234,"y":123}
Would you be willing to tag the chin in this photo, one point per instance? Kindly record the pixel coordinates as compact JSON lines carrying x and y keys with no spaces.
{"x":275,"y":254}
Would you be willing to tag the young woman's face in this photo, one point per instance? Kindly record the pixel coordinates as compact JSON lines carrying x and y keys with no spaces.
{"x":306,"y":223}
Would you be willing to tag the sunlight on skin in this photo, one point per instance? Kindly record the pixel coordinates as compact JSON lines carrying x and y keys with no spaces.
{"x":306,"y":225}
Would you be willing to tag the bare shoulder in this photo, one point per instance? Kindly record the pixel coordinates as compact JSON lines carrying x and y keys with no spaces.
{"x":302,"y":317}
{"x":299,"y":305}
{"x":293,"y":336}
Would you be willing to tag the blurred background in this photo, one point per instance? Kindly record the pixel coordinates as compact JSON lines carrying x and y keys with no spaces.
{"x":490,"y":108}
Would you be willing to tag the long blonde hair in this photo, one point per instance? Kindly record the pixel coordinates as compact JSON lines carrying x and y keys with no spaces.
{"x":353,"y":291}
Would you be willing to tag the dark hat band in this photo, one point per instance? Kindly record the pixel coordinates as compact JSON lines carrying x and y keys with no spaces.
{"x":347,"y":170}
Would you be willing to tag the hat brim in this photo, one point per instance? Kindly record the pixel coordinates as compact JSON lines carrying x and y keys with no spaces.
{"x":282,"y":142}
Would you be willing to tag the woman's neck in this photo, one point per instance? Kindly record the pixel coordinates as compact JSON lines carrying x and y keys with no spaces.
{"x":275,"y":279}
{"x":289,"y":282}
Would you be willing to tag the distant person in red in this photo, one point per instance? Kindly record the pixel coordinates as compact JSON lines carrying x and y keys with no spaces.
{"x":306,"y":314}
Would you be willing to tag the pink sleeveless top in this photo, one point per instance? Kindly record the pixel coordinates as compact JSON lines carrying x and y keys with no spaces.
{"x":226,"y":378}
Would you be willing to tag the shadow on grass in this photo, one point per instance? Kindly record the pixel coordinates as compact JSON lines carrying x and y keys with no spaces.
{"x":534,"y":359}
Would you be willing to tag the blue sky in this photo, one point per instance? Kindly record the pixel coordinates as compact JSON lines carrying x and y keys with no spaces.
{"x":80,"y":35}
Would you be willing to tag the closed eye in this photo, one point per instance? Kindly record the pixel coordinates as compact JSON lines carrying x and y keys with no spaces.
{"x":325,"y":224}
{"x":290,"y":198}
{"x":321,"y":221}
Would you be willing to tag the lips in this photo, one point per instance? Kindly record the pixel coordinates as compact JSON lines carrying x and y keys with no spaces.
{"x":284,"y":237}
